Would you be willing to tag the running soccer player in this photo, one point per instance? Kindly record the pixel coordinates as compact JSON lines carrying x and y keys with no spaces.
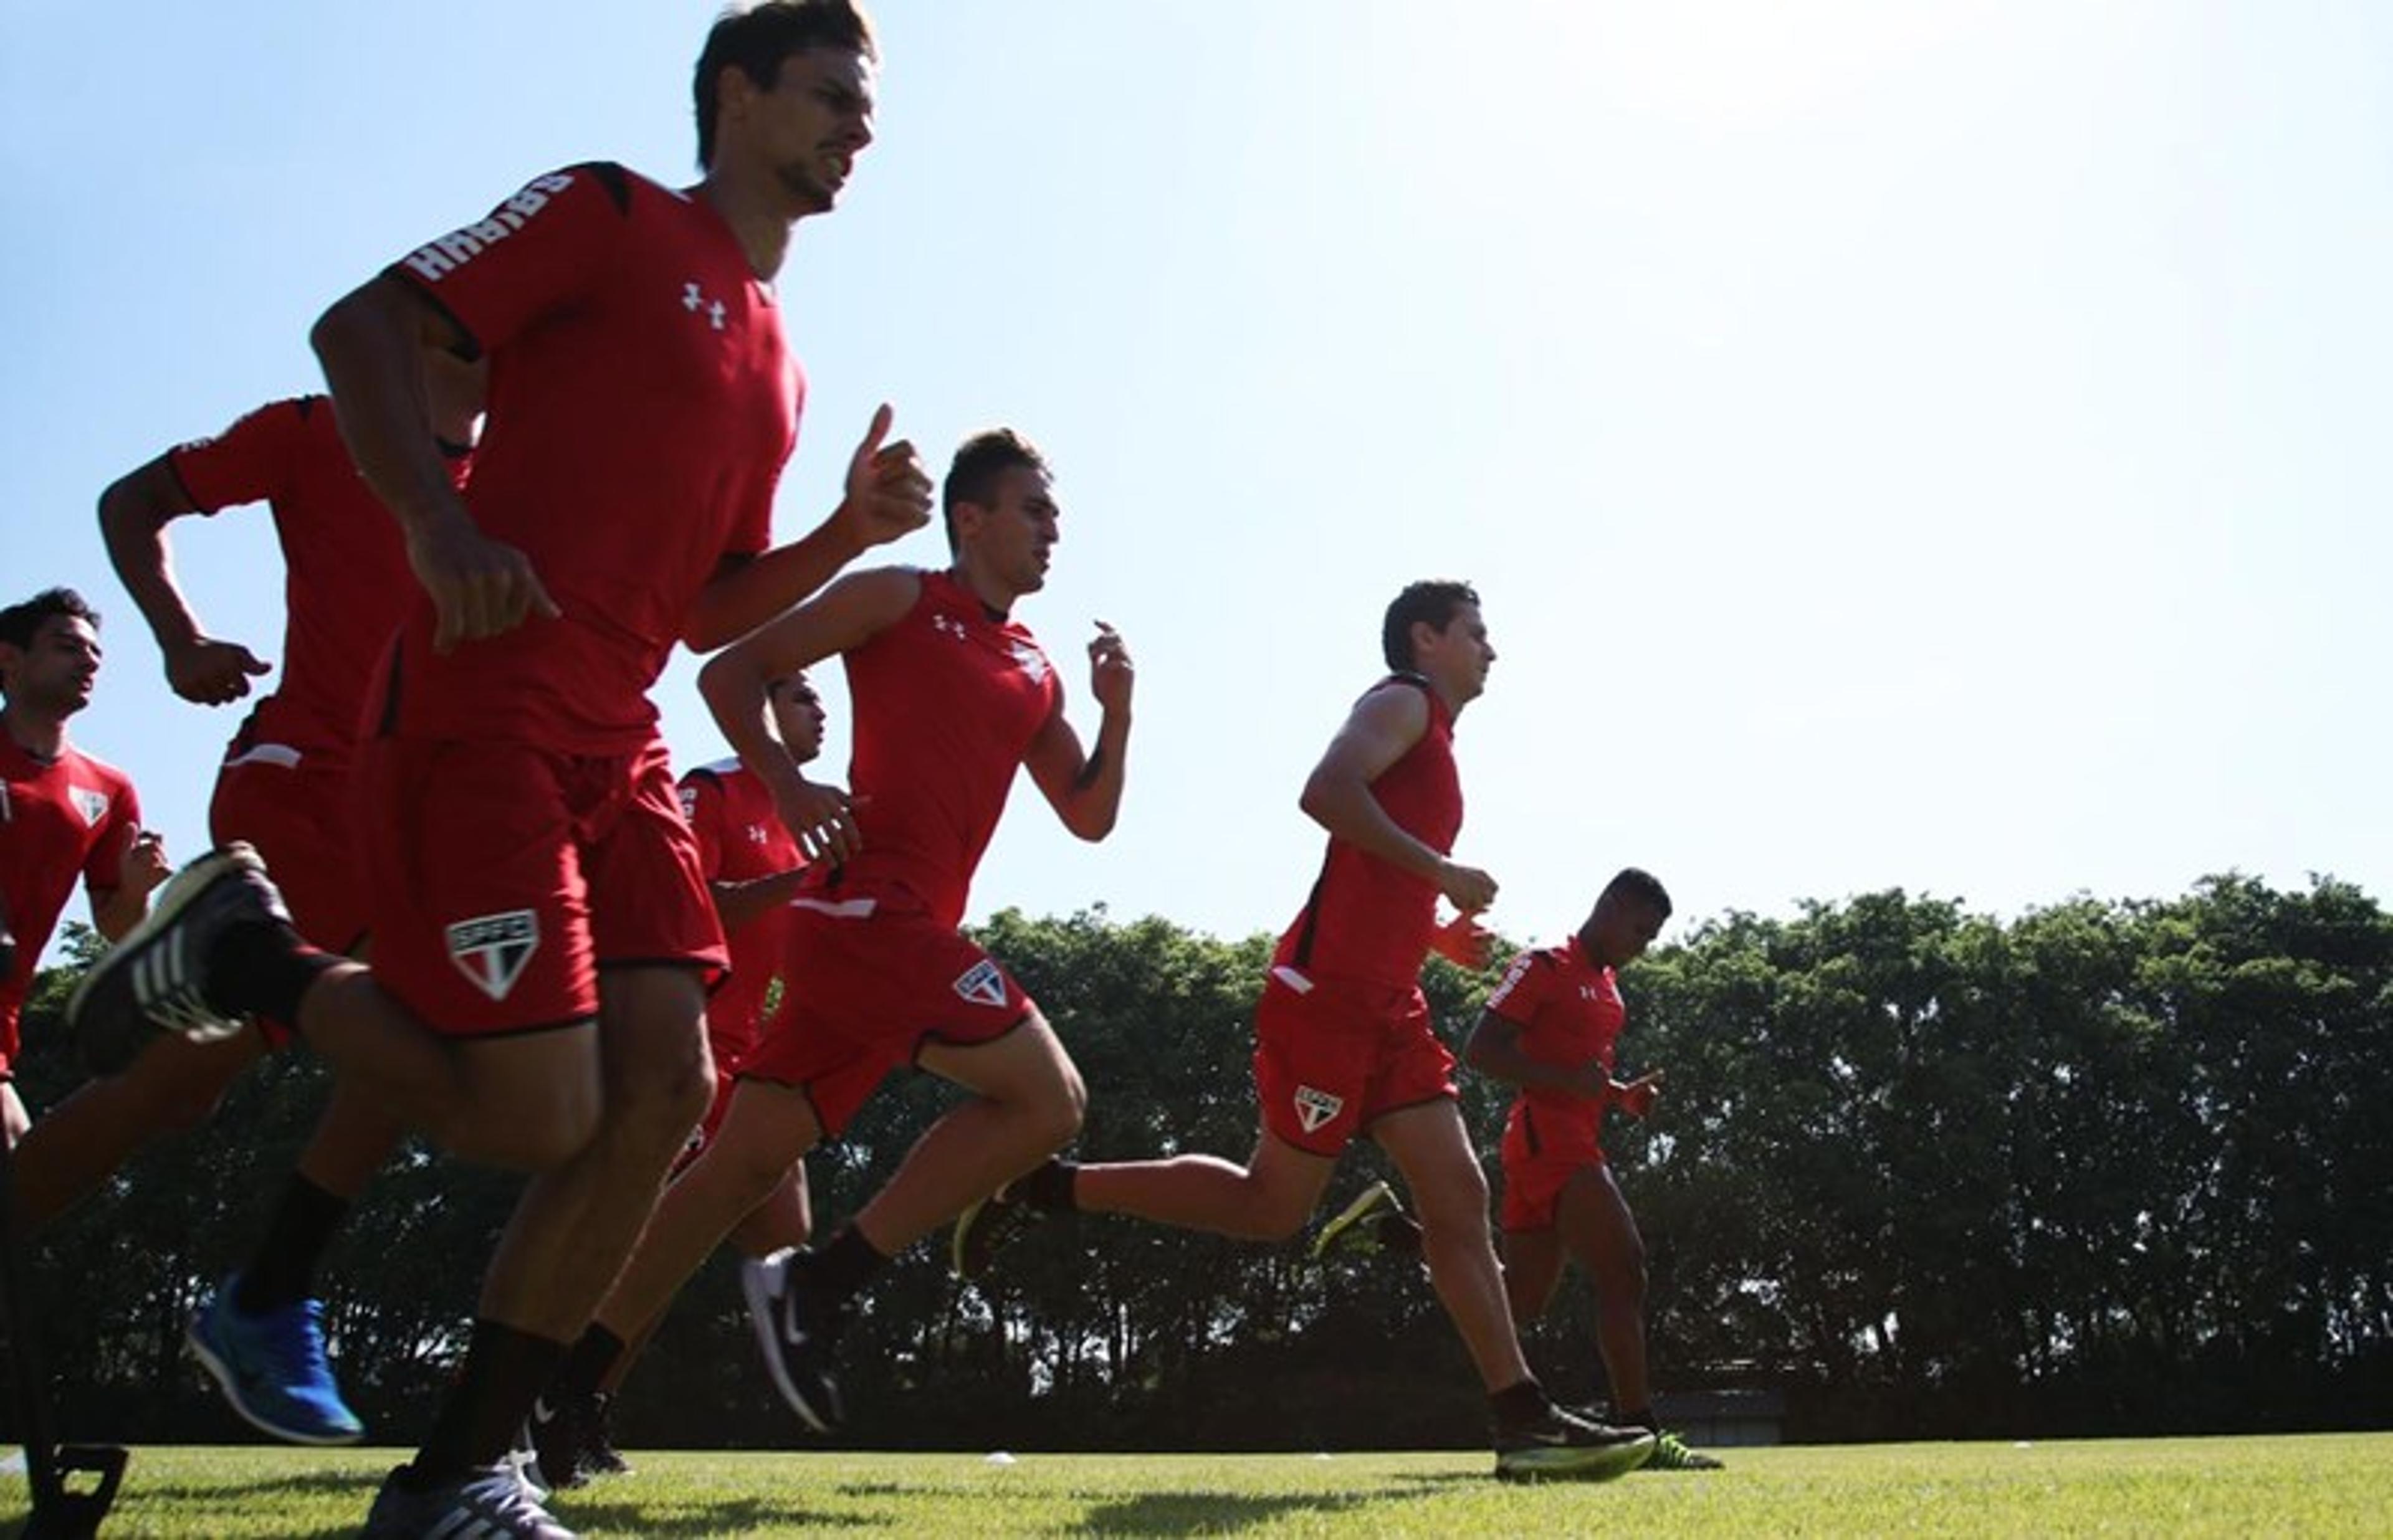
{"x":284,"y":788}
{"x":63,"y":814}
{"x":951,"y":696}
{"x":753,"y":866}
{"x":1343,"y":1044}
{"x":1550,"y":1028}
{"x":533,"y":891}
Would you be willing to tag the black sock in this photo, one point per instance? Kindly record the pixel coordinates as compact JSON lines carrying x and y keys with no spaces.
{"x":282,"y":1270}
{"x":838,"y":1271}
{"x":1515,"y":1405}
{"x":587,"y":1362}
{"x":505,"y":1370}
{"x":263,"y":970}
{"x":1642,"y":1418}
{"x":1049,"y":1187}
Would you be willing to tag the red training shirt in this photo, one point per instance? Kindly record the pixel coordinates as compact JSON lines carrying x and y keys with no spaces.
{"x":642,"y":401}
{"x":1369,"y":920}
{"x":946,"y":703}
{"x":345,"y":583}
{"x":1569,"y":1012}
{"x":68,"y":815}
{"x":741,"y":839}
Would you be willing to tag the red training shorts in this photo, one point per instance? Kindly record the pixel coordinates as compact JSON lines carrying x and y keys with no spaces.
{"x":871,"y":981}
{"x":1332,"y":1056}
{"x":502,"y":877}
{"x":294,"y":805}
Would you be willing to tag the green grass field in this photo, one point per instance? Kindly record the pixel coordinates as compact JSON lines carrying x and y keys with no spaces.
{"x":2325,"y":1484}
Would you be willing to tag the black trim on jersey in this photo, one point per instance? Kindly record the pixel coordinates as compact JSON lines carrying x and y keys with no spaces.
{"x":683,"y":961}
{"x":611,"y":175}
{"x":387,"y":723}
{"x":1529,"y":1128}
{"x":181,"y":485}
{"x":1304,"y":937}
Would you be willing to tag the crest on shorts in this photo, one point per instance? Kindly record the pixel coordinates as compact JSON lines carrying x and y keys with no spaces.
{"x":92,"y":804}
{"x":1316,"y":1108}
{"x":983,"y":985}
{"x":492,"y":950}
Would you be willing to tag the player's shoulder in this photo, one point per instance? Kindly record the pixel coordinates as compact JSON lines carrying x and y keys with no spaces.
{"x":91,"y":768}
{"x":713,"y":773}
{"x":1398,"y":700}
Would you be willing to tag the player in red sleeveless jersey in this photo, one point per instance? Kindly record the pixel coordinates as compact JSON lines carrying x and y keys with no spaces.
{"x":543,"y":939}
{"x":951,"y":696}
{"x":64,"y":817}
{"x":284,"y":789}
{"x":1550,"y":1028}
{"x":1344,"y":1043}
{"x":753,"y":866}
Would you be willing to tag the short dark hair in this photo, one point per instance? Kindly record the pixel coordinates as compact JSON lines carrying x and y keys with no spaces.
{"x":1433,"y":600}
{"x":1642,"y":885}
{"x":20,"y":624}
{"x":980,"y":459}
{"x":758,"y":37}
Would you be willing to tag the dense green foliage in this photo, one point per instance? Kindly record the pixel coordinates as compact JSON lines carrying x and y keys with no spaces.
{"x":2105,"y":1168}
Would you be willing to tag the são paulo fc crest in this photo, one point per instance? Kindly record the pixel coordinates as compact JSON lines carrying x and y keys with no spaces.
{"x":491,"y":950}
{"x":92,"y":804}
{"x":1316,"y":1108}
{"x":983,"y":985}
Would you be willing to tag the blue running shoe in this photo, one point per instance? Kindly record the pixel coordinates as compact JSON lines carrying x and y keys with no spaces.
{"x":272,"y":1368}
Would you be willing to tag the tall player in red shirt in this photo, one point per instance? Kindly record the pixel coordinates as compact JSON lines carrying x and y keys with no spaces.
{"x":284,"y":788}
{"x":1550,"y":1028}
{"x":1344,"y":1043}
{"x":951,"y":696}
{"x":64,"y":816}
{"x":534,"y":893}
{"x":753,"y":867}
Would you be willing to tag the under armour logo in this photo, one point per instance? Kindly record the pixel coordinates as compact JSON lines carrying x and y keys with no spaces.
{"x":693,"y":299}
{"x":948,"y":625}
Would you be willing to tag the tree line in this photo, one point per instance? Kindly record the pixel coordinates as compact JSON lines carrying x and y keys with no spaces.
{"x":2105,"y":1168}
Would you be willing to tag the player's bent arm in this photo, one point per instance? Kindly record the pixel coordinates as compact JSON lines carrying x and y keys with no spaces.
{"x":1381,"y":729}
{"x":371,"y":344}
{"x":1085,"y":790}
{"x":844,"y":616}
{"x":737,"y":902}
{"x":748,"y":590}
{"x":1494,"y":1050}
{"x":133,"y":513}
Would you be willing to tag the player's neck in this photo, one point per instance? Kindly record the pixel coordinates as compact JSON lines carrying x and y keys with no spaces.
{"x":45,"y":738}
{"x":994,"y":596}
{"x":759,"y":214}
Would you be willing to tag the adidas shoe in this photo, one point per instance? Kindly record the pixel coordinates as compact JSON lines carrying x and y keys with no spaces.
{"x":1555,"y":1444}
{"x":489,"y":1503}
{"x":272,"y":1368}
{"x":158,"y":978}
{"x":796,"y":1335}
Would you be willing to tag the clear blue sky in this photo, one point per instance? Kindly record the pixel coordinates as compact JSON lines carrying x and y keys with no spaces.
{"x":1899,"y":445}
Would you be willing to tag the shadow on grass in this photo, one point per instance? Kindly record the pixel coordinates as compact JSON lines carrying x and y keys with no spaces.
{"x":1209,"y":1512}
{"x":681,"y":1520}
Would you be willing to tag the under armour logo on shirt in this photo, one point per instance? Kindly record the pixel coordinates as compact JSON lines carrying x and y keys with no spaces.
{"x":693,"y":299}
{"x":948,"y":625}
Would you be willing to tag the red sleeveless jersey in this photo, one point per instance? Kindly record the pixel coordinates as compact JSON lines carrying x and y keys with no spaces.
{"x":345,"y":585}
{"x":1569,"y":1011}
{"x":741,"y":839}
{"x":1367,"y":919}
{"x":945,"y":703}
